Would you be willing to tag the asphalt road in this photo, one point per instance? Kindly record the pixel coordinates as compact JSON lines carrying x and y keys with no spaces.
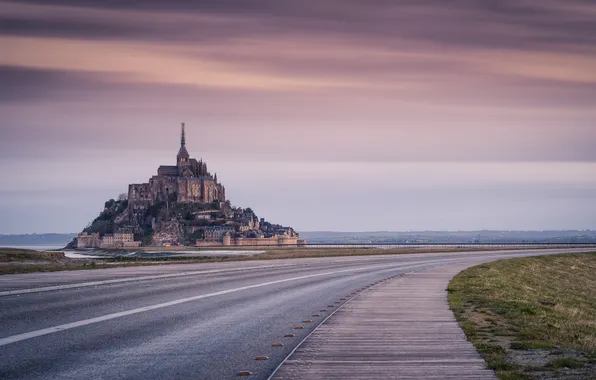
{"x":193,"y":321}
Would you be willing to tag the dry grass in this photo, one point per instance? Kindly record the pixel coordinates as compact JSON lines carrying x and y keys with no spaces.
{"x":525,"y":313}
{"x":14,"y":260}
{"x":20,"y":255}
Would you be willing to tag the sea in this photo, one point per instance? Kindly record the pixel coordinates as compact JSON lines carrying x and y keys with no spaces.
{"x":159,"y":252}
{"x":35,"y":247}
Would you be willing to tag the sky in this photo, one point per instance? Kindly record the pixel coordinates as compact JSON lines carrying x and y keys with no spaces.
{"x":336,"y":115}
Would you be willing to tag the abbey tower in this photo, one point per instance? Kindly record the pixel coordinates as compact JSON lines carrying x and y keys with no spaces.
{"x":188,"y":181}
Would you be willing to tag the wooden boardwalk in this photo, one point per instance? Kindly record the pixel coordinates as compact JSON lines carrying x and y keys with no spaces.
{"x":401,"y":329}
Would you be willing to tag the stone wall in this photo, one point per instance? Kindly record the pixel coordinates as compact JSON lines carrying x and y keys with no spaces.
{"x":163,"y":187}
{"x":139,"y":193}
{"x":278,"y":240}
{"x":85,"y":240}
{"x":190,"y":190}
{"x":203,"y":243}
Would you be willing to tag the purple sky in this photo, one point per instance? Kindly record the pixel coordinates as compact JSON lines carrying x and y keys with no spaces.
{"x":324,"y":115}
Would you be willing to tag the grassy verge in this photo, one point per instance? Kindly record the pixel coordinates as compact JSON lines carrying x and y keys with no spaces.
{"x":531,"y":318}
{"x":9,"y":255}
{"x":14,"y":260}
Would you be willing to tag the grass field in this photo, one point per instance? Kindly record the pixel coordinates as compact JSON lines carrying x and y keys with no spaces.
{"x":19,"y":255}
{"x":15,"y":260}
{"x":531,"y":318}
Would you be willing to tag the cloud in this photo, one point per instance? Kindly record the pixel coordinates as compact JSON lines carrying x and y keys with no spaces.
{"x":506,"y":24}
{"x":23,"y":85}
{"x":98,"y":88}
{"x":152,"y":63}
{"x":395,"y":48}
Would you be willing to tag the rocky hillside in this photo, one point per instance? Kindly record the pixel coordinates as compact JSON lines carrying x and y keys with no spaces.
{"x":182,"y":223}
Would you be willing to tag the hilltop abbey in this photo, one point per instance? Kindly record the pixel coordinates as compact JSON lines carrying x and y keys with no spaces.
{"x":188,"y":181}
{"x":182,"y":205}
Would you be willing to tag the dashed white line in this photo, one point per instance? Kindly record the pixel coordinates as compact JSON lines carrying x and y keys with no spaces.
{"x":107,"y":317}
{"x":129,"y":279}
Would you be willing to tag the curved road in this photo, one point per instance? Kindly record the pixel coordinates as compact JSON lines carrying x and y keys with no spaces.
{"x":193,"y":321}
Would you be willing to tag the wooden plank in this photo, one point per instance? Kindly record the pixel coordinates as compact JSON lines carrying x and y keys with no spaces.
{"x":401,"y":329}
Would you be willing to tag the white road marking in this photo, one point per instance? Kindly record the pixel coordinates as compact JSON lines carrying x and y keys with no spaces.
{"x":192,"y":273}
{"x":129,"y":279}
{"x":107,"y":317}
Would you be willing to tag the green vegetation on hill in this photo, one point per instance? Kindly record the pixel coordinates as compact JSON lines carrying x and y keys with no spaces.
{"x":105,"y":222}
{"x":531,"y":318}
{"x":115,"y":216}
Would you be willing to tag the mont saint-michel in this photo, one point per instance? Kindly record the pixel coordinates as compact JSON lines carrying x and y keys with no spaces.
{"x":184,"y":204}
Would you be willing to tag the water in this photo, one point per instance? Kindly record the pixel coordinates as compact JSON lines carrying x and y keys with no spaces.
{"x":74,"y":255}
{"x":199,"y":253}
{"x":155,"y":253}
{"x":57,"y":248}
{"x":35,"y":247}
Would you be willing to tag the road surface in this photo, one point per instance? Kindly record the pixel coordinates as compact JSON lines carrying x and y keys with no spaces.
{"x":183,"y":321}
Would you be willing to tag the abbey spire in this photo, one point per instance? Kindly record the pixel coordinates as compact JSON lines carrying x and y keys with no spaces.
{"x":183,"y":156}
{"x":183,"y":136}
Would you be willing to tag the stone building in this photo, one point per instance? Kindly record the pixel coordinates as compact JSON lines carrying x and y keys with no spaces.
{"x":88,"y":240}
{"x":121,"y":239}
{"x":188,"y":181}
{"x":217,"y":233}
{"x":261,"y":241}
{"x":107,"y":241}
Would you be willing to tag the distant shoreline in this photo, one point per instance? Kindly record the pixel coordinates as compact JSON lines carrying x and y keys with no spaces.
{"x":59,"y":241}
